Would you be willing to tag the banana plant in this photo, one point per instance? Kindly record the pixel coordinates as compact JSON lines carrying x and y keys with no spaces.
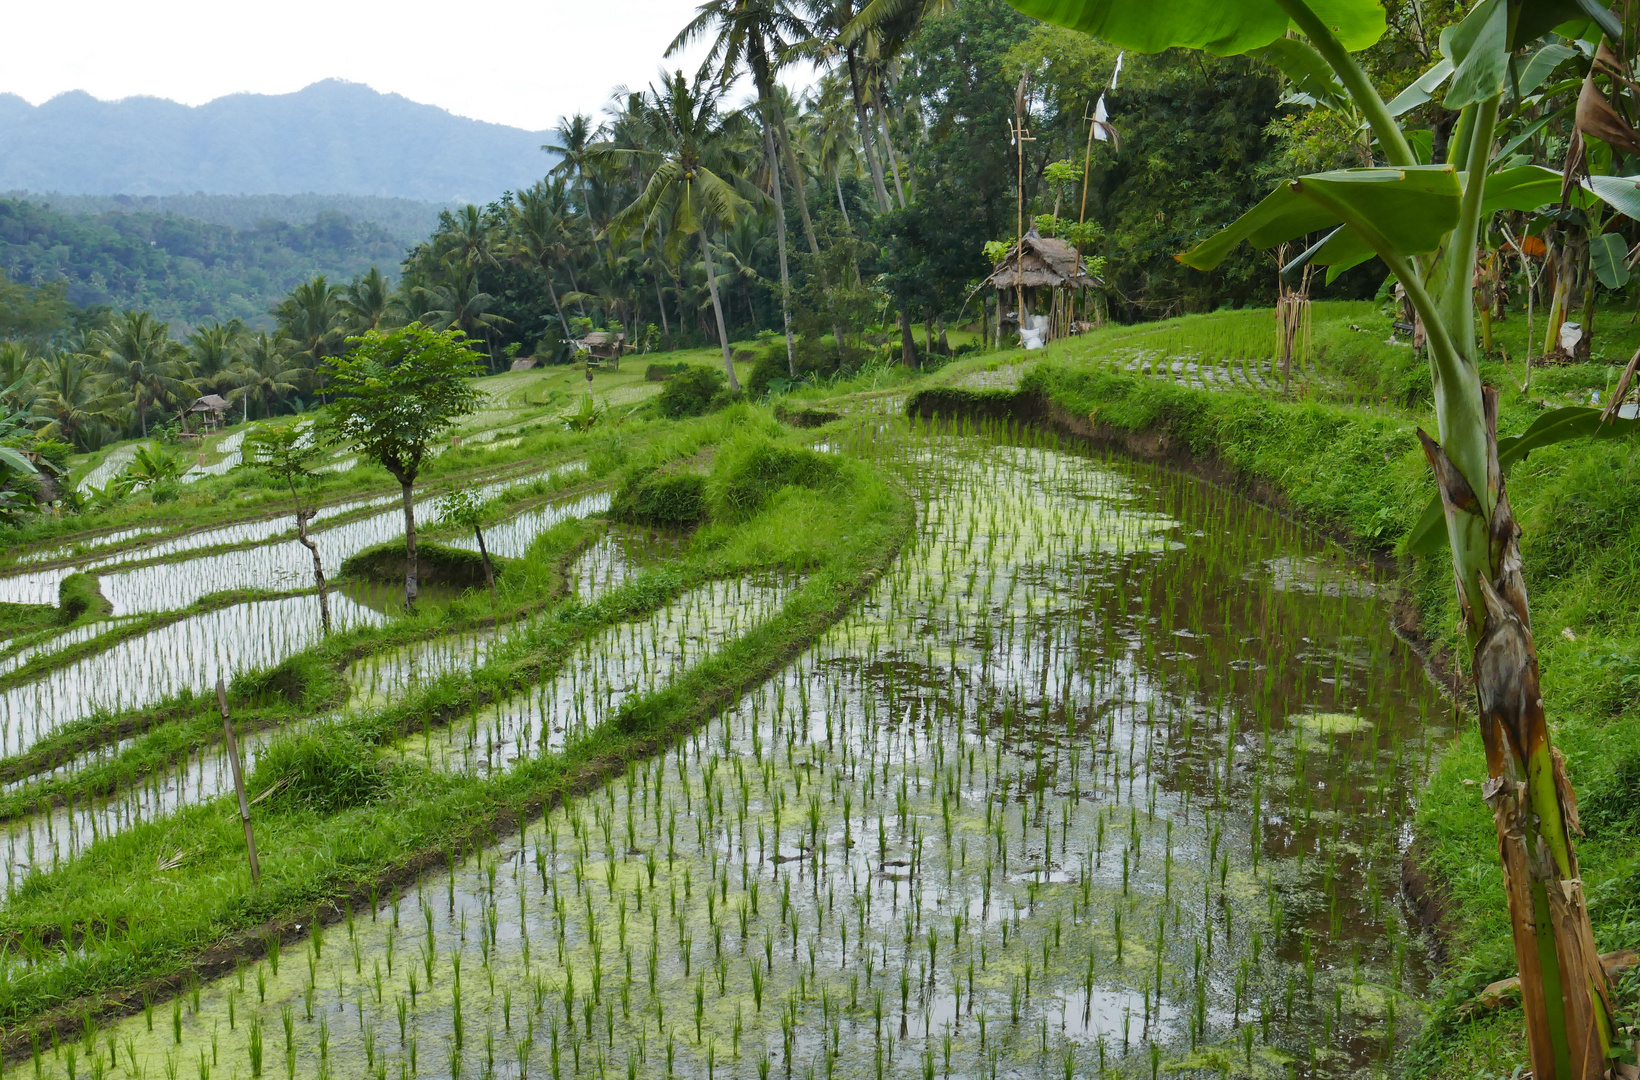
{"x":1425,"y":222}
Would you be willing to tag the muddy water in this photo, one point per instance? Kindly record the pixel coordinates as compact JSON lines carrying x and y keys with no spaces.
{"x":1108,"y":772}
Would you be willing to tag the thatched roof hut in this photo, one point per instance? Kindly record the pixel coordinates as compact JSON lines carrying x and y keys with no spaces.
{"x":1041,"y":261}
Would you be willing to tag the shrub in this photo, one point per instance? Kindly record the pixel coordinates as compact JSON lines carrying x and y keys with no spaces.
{"x":663,"y":500}
{"x":748,"y":472}
{"x":691,"y":392}
{"x":663,"y":372}
{"x":79,"y":594}
{"x":325,"y":769}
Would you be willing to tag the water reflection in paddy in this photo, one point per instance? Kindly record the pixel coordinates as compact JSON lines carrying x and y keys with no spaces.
{"x":1076,"y":787}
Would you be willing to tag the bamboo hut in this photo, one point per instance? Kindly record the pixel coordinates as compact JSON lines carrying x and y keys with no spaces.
{"x":1044,"y":276}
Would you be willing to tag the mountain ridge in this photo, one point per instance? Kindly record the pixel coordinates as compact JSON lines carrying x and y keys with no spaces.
{"x":331,"y":137}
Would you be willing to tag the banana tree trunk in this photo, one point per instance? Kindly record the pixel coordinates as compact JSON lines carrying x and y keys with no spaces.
{"x":1563,"y":984}
{"x":717,"y":309}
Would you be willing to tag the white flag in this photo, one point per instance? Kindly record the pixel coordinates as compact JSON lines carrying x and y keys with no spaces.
{"x":1118,"y":70}
{"x":1100,"y":119}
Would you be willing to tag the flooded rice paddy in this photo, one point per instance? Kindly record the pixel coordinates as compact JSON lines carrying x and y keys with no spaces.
{"x":189,"y":654}
{"x":1107,"y":776}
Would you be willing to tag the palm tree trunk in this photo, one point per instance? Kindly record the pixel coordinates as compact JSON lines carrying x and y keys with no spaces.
{"x":893,"y":159}
{"x":866,"y":141}
{"x":837,"y":181}
{"x":142,"y":415}
{"x":779,"y":232}
{"x":552,"y":292}
{"x":717,"y":309}
{"x":412,"y":581}
{"x":660,"y":302}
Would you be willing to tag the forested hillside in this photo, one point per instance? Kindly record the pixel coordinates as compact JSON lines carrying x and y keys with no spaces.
{"x":182,"y":269}
{"x":406,"y":220}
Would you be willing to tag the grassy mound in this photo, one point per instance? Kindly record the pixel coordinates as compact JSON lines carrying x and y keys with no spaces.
{"x":324,"y":769}
{"x":748,"y":472}
{"x":79,"y":594}
{"x":437,"y":564}
{"x":663,"y":500}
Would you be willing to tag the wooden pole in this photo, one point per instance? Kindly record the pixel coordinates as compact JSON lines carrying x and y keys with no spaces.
{"x":238,"y":780}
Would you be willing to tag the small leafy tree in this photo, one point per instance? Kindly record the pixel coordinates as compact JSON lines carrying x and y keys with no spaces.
{"x":285,"y":453}
{"x":1426,"y":223}
{"x":464,"y":510}
{"x":395,"y":392}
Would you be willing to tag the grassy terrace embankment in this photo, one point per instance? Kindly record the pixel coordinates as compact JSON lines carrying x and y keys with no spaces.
{"x":1356,"y":471}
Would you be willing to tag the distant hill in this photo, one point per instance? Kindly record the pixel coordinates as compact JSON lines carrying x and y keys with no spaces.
{"x":333,"y":138}
{"x":184,"y":270}
{"x":408,"y":221}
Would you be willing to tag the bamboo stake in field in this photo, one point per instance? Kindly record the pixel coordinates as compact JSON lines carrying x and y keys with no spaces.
{"x":238,"y":780}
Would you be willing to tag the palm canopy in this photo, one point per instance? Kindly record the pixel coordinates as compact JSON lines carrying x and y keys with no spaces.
{"x":697,"y":185}
{"x":755,"y":34}
{"x":368,"y":303}
{"x":73,"y":398}
{"x":139,"y":356}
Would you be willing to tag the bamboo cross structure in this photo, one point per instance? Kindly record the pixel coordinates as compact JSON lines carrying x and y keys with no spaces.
{"x":1021,"y":136}
{"x":238,"y":780}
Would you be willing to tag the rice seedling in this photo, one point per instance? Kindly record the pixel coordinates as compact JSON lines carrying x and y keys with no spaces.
{"x":1047,"y":794}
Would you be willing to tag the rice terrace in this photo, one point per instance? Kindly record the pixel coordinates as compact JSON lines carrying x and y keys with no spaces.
{"x":1007,"y":559}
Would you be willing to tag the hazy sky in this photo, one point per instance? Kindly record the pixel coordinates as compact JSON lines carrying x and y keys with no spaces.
{"x":507,"y":61}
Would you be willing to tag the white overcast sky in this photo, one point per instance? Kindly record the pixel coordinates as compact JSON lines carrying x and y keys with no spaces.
{"x":506,"y":61}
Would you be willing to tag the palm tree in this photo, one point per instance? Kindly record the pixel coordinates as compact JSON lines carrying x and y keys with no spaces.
{"x":758,"y":35}
{"x":368,"y":303}
{"x":15,"y":368}
{"x":213,"y":351}
{"x":266,"y":372}
{"x":139,"y":356}
{"x":575,"y":146}
{"x":539,"y":234}
{"x":696,"y":187}
{"x":457,"y":301}
{"x":468,"y":241}
{"x":311,"y":316}
{"x":74,"y":399}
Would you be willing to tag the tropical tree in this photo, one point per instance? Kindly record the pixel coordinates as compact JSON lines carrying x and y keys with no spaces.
{"x":464,"y":510}
{"x":575,"y":147}
{"x":73,"y":400}
{"x":457,"y":301}
{"x":1425,"y":222}
{"x":266,"y":373}
{"x":139,"y":356}
{"x":395,"y":392}
{"x":697,"y":185}
{"x":758,"y":35}
{"x":311,"y":316}
{"x":368,"y":302}
{"x":150,"y":467}
{"x":539,"y":234}
{"x":285,"y":452}
{"x":213,"y":353}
